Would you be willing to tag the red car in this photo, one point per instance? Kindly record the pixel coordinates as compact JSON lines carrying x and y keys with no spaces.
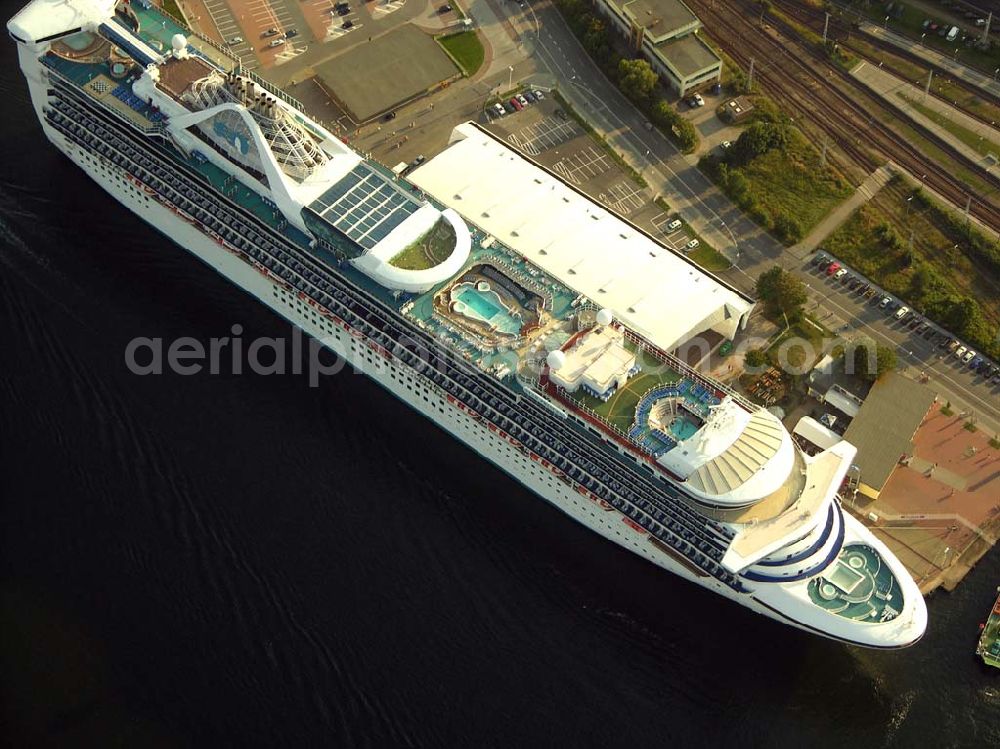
{"x":516,"y":104}
{"x":832,"y":268}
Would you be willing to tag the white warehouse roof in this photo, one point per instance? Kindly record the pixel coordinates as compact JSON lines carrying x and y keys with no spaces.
{"x":589,"y":249}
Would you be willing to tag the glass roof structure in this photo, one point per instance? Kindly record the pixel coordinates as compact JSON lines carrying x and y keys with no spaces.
{"x":364,"y":205}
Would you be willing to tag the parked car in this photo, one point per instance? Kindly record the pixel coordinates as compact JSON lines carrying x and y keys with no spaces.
{"x":692,"y":245}
{"x":516,"y":104}
{"x":509,"y":108}
{"x":276,"y":42}
{"x":446,"y":8}
{"x":289,"y":33}
{"x":498,"y":110}
{"x":698,"y":101}
{"x":969,"y":356}
{"x":840,"y":273}
{"x":819,"y":258}
{"x":236,"y":40}
{"x":674,"y":225}
{"x":884,"y":302}
{"x":902,"y":312}
{"x":343,"y":10}
{"x":520,"y":98}
{"x":530,"y":97}
{"x":951,"y":346}
{"x":922,"y":327}
{"x":270,"y":32}
{"x":348,"y":24}
{"x":832,"y":268}
{"x":419,"y":160}
{"x":961,"y":351}
{"x":538,"y":94}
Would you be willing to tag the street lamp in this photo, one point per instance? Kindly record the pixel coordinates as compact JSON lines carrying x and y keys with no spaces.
{"x":510,"y":77}
{"x":995,"y":74}
{"x":922,"y":38}
{"x":885,"y":24}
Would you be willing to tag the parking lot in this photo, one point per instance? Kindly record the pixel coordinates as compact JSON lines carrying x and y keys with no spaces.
{"x":553,"y":139}
{"x":923,"y":336}
{"x":543,"y":135}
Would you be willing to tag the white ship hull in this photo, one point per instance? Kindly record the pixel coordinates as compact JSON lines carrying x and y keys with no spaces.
{"x":775,"y":601}
{"x":390,"y":375}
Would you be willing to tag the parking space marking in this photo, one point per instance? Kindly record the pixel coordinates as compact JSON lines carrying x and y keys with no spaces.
{"x":526,"y":146}
{"x":622,"y":197}
{"x":385,"y":8}
{"x":335,"y":30}
{"x":583,"y":165}
{"x":225,"y":22}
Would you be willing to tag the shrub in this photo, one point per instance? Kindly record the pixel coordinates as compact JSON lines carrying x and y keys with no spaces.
{"x":755,"y":358}
{"x":787,"y":229}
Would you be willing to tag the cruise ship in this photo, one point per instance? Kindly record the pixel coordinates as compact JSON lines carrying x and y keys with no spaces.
{"x":530,"y":322}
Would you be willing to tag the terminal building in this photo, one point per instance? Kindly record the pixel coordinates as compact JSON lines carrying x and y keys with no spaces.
{"x":665,"y":32}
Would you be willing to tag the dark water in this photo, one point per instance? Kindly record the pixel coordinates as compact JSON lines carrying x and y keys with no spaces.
{"x":247,"y":561}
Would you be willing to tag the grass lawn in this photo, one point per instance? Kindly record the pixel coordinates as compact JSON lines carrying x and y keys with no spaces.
{"x":430,"y":250}
{"x":792,"y":182}
{"x":706,"y":256}
{"x":980,"y":144}
{"x":465,"y":49}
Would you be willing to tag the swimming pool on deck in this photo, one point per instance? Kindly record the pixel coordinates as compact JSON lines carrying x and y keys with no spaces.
{"x":479,"y":302}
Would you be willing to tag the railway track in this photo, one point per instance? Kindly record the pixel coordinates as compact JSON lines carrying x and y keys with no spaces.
{"x":850,"y":121}
{"x":841,"y":31}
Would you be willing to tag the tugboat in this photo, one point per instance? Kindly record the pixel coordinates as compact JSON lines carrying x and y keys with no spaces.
{"x":988,"y":647}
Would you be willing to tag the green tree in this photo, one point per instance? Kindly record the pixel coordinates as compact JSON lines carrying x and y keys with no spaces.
{"x":662,"y":114}
{"x":787,"y":228}
{"x":872,"y":360}
{"x":595,"y":38}
{"x":782,"y":292}
{"x":637,"y":80}
{"x":758,"y":139}
{"x":686,"y":134}
{"x":755,"y":358}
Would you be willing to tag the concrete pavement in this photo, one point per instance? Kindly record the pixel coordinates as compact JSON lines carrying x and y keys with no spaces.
{"x":955,"y":68}
{"x":893,"y":90}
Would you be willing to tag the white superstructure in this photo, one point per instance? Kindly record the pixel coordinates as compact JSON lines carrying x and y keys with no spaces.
{"x":702,"y":483}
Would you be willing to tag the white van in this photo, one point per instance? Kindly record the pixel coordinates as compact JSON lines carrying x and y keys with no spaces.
{"x":952,"y":34}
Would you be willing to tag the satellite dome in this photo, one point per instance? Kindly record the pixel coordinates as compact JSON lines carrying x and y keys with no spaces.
{"x":179,"y":42}
{"x":556,"y":359}
{"x":605,"y":316}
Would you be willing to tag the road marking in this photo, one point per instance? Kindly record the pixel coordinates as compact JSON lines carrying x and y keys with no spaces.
{"x":385,"y":8}
{"x":623,"y":198}
{"x":583,"y":165}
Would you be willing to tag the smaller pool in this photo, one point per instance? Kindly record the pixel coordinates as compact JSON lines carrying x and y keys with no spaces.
{"x":79,"y":42}
{"x":482,"y":303}
{"x":683,"y":428}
